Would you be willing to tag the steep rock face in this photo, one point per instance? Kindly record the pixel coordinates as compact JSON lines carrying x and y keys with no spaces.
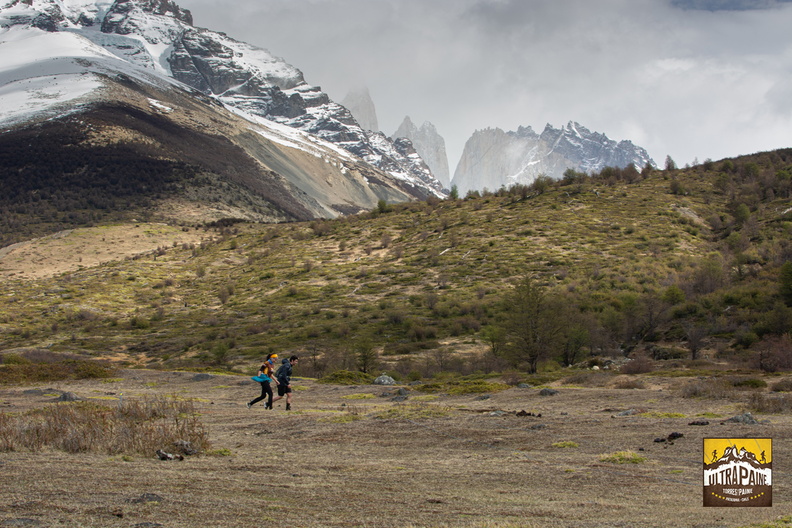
{"x":95,"y":136}
{"x":362,"y":107}
{"x":493,"y":158}
{"x":158,"y":35}
{"x":120,"y":17}
{"x":430,"y":146}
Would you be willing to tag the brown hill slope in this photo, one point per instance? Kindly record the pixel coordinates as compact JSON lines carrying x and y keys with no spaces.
{"x":652,"y":264}
{"x":133,"y":152}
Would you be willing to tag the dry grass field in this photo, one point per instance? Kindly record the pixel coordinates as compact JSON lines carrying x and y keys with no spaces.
{"x":75,"y":249}
{"x":349,"y":456}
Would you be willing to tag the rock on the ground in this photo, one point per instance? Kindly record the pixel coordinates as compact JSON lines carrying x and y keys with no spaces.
{"x":384,"y":379}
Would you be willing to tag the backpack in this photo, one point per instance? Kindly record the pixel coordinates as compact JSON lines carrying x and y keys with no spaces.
{"x":281,"y":374}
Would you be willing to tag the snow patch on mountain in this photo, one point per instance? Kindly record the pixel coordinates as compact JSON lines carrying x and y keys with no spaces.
{"x":290,"y":137}
{"x":158,"y":37}
{"x":40,"y":74}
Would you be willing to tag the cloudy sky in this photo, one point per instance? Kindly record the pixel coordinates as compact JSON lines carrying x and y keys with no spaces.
{"x":693,"y":79}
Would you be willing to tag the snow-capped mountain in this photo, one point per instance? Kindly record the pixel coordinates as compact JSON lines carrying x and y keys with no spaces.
{"x":67,"y":61}
{"x":493,"y":158}
{"x":430,"y":145}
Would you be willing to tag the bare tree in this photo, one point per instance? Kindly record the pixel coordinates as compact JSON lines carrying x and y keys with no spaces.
{"x":442,"y":356}
{"x":695,"y":339}
{"x":366,"y":356}
{"x":531,"y":326}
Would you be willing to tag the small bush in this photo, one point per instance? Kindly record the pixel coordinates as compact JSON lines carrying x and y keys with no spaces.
{"x":770,"y":403}
{"x":784,"y":385}
{"x":346,"y":377}
{"x":512,"y":378}
{"x":565,"y":444}
{"x":712,"y":388}
{"x":639,"y":365}
{"x":623,"y":457}
{"x":475,"y":387}
{"x":14,"y":359}
{"x":42,"y":355}
{"x":64,"y":370}
{"x":749,"y":383}
{"x":662,"y":415}
{"x":139,"y":322}
{"x":589,"y":378}
{"x":629,"y":384}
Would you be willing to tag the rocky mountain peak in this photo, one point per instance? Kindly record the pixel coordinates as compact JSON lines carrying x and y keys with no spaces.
{"x":527,"y":132}
{"x":121,"y":10}
{"x":158,"y":35}
{"x":429,"y":144}
{"x":492,"y":159}
{"x":362,"y":107}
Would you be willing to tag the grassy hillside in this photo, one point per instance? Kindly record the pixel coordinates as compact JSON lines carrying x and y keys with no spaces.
{"x":671,"y":264}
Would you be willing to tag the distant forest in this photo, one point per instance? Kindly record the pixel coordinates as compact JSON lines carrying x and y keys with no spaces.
{"x":52,"y":182}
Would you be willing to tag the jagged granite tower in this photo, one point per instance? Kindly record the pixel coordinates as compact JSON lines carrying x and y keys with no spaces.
{"x":493,"y":158}
{"x":360,"y":104}
{"x":430,"y":146}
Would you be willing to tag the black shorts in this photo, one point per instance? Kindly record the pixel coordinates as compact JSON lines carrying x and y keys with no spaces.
{"x":283,"y":389}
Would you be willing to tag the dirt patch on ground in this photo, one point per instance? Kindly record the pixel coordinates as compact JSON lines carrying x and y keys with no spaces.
{"x":75,"y":249}
{"x":351,"y":456}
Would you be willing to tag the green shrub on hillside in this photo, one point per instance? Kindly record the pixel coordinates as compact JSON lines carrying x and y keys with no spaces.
{"x":616,"y":251}
{"x":347,"y":377}
{"x":461,"y":387}
{"x":623,"y":457}
{"x":71,"y":369}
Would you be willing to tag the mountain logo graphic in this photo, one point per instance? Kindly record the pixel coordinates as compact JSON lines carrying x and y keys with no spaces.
{"x":738,"y":472}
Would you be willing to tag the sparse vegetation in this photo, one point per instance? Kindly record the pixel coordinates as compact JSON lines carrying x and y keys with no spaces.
{"x":346,"y":377}
{"x":770,"y":403}
{"x":134,"y":427}
{"x":363,"y":445}
{"x":781,"y":522}
{"x":411,"y":412}
{"x":462,"y":386}
{"x":656,"y":414}
{"x":623,"y":457}
{"x":359,"y":396}
{"x":19,"y":371}
{"x":341,"y":418}
{"x":674,"y":277}
{"x":565,"y":444}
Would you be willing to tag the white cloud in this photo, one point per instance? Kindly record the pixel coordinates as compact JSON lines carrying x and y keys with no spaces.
{"x":690,"y":78}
